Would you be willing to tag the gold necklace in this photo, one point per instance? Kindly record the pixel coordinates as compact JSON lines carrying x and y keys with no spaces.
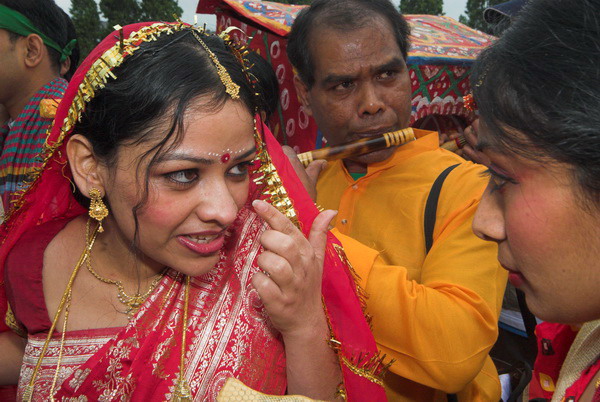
{"x":65,"y":304}
{"x":133,"y":302}
{"x":183,"y":392}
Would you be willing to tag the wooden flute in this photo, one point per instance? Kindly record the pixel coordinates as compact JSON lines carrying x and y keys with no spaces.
{"x":359,"y":147}
{"x":454,"y":144}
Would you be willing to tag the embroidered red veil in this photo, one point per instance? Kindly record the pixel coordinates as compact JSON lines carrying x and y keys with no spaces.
{"x":49,"y":197}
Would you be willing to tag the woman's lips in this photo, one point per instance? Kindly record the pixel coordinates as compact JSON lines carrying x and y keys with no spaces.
{"x":514,"y":277}
{"x":203,"y":243}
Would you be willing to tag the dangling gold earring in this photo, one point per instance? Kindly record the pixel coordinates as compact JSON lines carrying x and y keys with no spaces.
{"x":98,"y":210}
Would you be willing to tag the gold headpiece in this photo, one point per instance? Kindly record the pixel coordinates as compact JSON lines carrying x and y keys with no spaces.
{"x":231,"y":87}
{"x":240,"y":51}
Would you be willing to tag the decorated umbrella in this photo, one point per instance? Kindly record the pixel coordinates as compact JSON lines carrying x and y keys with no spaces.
{"x":442,"y":51}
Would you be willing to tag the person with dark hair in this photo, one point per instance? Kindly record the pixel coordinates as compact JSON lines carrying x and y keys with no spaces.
{"x":434,"y":289}
{"x":35,"y":50}
{"x":165,"y":252}
{"x":538,"y":97}
{"x":500,"y":16}
{"x":268,"y":86}
{"x":70,"y":64}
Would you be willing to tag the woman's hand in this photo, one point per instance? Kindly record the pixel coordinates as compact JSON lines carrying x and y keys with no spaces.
{"x":290,"y":286}
{"x":290,"y":289}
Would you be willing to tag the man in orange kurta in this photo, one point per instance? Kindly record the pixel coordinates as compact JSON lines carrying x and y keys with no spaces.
{"x":435,"y":313}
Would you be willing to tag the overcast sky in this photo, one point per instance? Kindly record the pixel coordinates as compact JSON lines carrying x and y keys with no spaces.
{"x":452,"y":8}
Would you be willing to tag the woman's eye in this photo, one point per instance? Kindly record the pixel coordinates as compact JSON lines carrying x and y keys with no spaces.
{"x":240,"y":170}
{"x":497,"y":180}
{"x":183,"y":176}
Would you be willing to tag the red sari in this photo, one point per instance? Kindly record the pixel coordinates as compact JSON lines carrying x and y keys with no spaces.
{"x":229,"y":334}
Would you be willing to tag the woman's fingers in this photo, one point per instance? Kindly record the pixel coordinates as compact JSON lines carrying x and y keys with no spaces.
{"x":318,"y":233}
{"x":277,"y":268}
{"x":268,"y":291}
{"x":274,"y":218}
{"x":292,"y":265}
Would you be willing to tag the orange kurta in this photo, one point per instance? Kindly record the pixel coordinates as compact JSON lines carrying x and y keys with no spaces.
{"x":436,"y":315}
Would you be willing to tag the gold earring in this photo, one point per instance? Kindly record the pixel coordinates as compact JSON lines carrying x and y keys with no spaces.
{"x":98,"y":210}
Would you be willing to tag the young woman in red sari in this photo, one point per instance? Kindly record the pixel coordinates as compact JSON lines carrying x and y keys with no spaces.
{"x":167,"y":248}
{"x":538,"y":93}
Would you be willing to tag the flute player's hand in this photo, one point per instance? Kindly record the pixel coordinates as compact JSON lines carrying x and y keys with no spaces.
{"x":307,"y":176}
{"x":470,"y":148}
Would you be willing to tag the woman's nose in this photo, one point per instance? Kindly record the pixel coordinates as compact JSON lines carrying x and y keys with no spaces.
{"x":488,"y":223}
{"x":218,"y":204}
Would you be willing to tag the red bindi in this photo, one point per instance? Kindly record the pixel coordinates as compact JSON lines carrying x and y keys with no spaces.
{"x":225,"y":158}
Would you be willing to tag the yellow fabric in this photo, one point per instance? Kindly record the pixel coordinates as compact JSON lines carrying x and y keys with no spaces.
{"x":436,"y":315}
{"x":235,"y":391}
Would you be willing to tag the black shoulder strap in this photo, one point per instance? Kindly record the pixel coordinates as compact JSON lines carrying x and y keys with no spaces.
{"x":431,"y":206}
{"x":528,"y":318}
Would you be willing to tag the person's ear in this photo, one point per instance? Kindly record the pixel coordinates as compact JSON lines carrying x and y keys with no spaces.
{"x":88,"y":172}
{"x":65,"y":66}
{"x":35,"y":50}
{"x":302,"y":92}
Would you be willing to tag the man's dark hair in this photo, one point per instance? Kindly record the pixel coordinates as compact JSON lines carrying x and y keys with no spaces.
{"x":342,"y":15}
{"x":541,"y":80}
{"x":46,"y":16}
{"x":75,"y":53}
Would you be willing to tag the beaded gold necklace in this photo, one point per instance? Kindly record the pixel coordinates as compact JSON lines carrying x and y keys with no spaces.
{"x":133,"y":302}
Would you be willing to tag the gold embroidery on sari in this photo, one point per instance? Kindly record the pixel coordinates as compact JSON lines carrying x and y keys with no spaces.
{"x":373,"y":368}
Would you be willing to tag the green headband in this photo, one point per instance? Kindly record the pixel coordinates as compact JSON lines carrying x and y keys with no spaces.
{"x":16,"y":22}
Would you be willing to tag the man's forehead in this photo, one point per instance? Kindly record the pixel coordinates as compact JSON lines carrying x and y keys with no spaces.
{"x":338,"y":52}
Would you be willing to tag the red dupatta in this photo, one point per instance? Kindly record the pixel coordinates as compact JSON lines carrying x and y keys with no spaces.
{"x":49,"y":197}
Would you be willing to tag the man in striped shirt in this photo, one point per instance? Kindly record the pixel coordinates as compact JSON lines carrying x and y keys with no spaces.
{"x":34,"y":52}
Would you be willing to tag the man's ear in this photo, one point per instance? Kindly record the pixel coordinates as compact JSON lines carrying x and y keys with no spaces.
{"x":35,"y":50}
{"x":87,"y":170}
{"x":302,"y":92}
{"x":65,"y":66}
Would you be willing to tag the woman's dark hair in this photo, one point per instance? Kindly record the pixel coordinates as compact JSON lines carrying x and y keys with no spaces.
{"x":345,"y":16}
{"x":267,"y":85}
{"x":156,"y":85}
{"x":541,"y":79}
{"x":46,"y":16}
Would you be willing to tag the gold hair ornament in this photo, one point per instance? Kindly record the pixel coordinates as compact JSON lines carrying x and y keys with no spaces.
{"x":469,"y":102}
{"x":240,"y":50}
{"x":231,"y":87}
